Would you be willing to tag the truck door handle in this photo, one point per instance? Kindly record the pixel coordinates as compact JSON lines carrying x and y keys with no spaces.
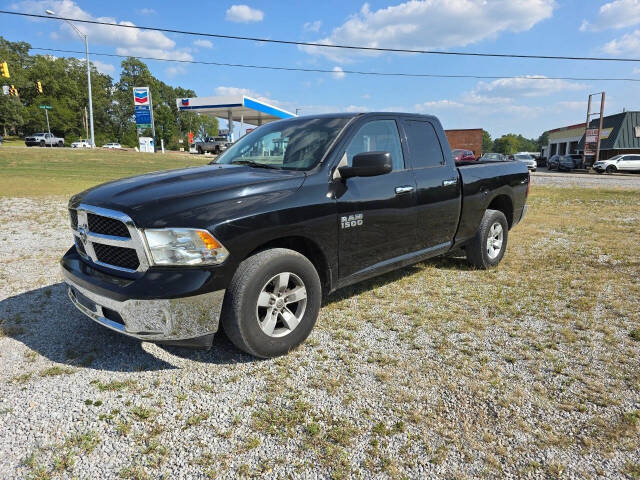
{"x":451,"y":181}
{"x":404,"y":189}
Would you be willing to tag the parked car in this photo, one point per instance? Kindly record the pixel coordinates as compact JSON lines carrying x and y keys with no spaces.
{"x":252,"y":242}
{"x":81,"y":144}
{"x":493,"y":157}
{"x":629,"y":163}
{"x":112,"y":145}
{"x":569,"y":162}
{"x":43,"y":140}
{"x":527,"y":159}
{"x":0,"y":139}
{"x":553,"y":162}
{"x":460,"y":155}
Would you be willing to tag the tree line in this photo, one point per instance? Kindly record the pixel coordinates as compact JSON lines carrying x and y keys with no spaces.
{"x":64,"y":88}
{"x":511,"y":143}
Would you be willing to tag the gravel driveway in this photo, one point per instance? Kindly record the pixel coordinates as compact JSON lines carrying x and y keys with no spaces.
{"x":432,"y":371}
{"x":571,"y":179}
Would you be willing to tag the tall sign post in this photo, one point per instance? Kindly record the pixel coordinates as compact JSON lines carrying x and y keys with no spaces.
{"x":593,"y":136}
{"x":143,"y":110}
{"x":46,"y":109}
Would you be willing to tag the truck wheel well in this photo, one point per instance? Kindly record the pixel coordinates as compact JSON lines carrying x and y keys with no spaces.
{"x":309,"y":249}
{"x":503,"y":204}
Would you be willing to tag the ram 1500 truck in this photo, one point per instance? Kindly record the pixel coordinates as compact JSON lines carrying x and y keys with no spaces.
{"x":292,"y":211}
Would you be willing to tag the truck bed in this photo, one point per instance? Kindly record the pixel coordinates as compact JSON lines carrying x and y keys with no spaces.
{"x":485,"y":182}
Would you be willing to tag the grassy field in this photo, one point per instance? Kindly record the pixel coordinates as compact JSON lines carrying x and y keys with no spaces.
{"x":49,"y":171}
{"x":529,"y":370}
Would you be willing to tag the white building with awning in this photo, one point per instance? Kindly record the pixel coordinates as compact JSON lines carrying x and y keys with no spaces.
{"x":234,"y":108}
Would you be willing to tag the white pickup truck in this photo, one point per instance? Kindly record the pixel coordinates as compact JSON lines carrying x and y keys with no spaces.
{"x":43,"y":140}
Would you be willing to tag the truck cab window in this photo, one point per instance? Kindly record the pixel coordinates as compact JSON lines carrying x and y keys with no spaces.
{"x":424,"y":145}
{"x":378,"y":136}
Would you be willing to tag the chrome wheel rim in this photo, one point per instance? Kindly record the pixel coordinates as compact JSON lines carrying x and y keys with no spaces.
{"x":281,"y":304}
{"x":494,"y":240}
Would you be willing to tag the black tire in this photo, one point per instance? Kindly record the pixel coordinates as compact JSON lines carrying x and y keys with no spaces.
{"x":42,"y":144}
{"x":239,"y":317}
{"x":477,"y":249}
{"x":200,"y":151}
{"x":60,"y":144}
{"x":611,"y":169}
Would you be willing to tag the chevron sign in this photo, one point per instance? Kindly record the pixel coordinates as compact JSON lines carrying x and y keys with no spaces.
{"x":141,"y":96}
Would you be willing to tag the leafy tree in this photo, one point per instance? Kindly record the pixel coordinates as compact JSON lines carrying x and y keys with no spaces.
{"x":487,"y":143}
{"x":11,"y":114}
{"x":543,"y":140}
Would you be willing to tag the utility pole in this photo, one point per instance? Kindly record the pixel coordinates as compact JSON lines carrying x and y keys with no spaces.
{"x":86,"y":122}
{"x":85,"y":38}
{"x":46,"y":114}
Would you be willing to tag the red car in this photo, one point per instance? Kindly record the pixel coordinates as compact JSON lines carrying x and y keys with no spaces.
{"x":461,"y":155}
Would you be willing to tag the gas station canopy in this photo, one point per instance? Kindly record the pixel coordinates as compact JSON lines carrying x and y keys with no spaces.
{"x":235,"y":108}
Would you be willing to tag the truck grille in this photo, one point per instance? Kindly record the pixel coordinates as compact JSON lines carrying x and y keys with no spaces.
{"x":108,"y":238}
{"x":118,"y":256}
{"x":107,"y":226}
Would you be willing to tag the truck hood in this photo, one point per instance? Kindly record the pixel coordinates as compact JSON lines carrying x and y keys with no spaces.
{"x":154,"y":199}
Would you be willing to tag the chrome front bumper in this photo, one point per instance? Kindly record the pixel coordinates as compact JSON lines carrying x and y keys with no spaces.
{"x":162,"y":320}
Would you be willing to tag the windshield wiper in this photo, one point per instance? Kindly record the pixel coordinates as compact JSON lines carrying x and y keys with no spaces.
{"x":251,"y":163}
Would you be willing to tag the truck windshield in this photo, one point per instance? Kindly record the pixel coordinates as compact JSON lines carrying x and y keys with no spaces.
{"x":294,"y":144}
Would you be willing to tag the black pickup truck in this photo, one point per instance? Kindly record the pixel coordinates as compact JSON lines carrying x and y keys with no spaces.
{"x":291,"y":212}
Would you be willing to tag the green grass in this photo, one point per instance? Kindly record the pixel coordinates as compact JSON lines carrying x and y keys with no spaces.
{"x":49,"y":171}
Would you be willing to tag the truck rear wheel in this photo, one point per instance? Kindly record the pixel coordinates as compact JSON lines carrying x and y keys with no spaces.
{"x":490,"y":242}
{"x":272,"y":302}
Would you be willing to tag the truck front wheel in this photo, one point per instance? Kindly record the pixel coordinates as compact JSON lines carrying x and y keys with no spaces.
{"x":490,"y":242}
{"x":272,"y":302}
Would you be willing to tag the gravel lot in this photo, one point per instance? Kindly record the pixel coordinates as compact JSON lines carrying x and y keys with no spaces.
{"x":530,"y":370}
{"x":546,"y":177}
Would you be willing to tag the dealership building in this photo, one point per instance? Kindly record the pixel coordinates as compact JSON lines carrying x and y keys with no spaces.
{"x":620,"y":134}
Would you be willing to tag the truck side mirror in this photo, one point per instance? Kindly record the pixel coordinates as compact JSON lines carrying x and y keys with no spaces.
{"x":367,"y":164}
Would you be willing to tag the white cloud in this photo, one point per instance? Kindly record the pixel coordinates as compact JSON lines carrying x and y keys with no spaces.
{"x":616,"y":14}
{"x":572,"y":105}
{"x":147,"y":52}
{"x":147,"y":11}
{"x":525,"y":86}
{"x":244,"y":14}
{"x":636,"y":70}
{"x":129,"y":41}
{"x":103,"y":67}
{"x":355,"y":109}
{"x":432,"y":24}
{"x":176,"y":70}
{"x":437,"y":105}
{"x":626,"y":45}
{"x":338,"y":74}
{"x":312,"y":26}
{"x":203,"y":43}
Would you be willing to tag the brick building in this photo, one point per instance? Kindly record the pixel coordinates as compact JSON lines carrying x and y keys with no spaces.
{"x":467,"y":138}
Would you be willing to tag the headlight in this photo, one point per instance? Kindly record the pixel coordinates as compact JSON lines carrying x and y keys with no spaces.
{"x":184,"y":246}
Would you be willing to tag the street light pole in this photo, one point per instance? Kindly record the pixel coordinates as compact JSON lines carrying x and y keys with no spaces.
{"x":86,"y":50}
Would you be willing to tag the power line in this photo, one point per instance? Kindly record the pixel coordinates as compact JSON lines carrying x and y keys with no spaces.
{"x":354,"y":72}
{"x":326,"y":45}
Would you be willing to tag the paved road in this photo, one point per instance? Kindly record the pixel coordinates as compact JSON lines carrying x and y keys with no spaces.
{"x":545,"y":177}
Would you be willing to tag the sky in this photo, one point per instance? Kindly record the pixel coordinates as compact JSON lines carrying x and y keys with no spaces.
{"x":504,"y":105}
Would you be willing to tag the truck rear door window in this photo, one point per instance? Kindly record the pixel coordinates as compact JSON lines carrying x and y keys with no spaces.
{"x":424,"y":145}
{"x":378,"y":136}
